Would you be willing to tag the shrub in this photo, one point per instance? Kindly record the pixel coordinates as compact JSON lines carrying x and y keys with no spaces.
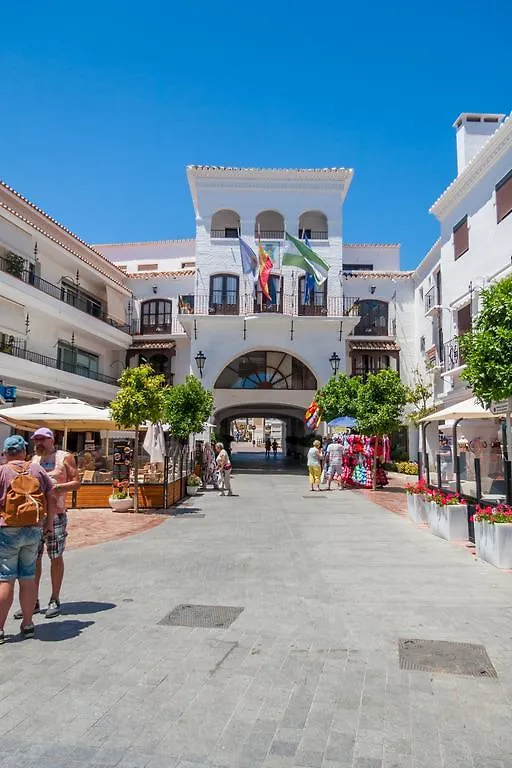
{"x":194,"y":480}
{"x":407,"y":467}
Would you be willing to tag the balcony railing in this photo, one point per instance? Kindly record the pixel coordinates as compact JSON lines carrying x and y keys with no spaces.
{"x":17,"y":349}
{"x":372,"y":326}
{"x":286,"y":304}
{"x":315,"y":234}
{"x":364,"y":372}
{"x":452,"y":355}
{"x":269,"y":234}
{"x":169,"y":325}
{"x":65,"y":293}
{"x":431,"y":299}
{"x":230,"y":233}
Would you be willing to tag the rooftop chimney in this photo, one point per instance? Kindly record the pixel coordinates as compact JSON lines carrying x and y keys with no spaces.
{"x":473,"y":131}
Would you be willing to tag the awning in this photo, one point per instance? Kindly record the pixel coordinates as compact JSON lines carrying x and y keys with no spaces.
{"x":467,"y":409}
{"x":136,"y":345}
{"x":374,"y":346}
{"x":60,"y":413}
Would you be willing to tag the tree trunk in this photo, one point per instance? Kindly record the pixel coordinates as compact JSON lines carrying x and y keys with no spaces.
{"x":374,"y":468}
{"x":136,"y":472}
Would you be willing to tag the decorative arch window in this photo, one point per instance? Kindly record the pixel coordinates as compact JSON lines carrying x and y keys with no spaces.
{"x":269,"y":225}
{"x":374,"y":318}
{"x":313,"y":224}
{"x":312,"y":301}
{"x":225,"y":223}
{"x":224,"y":295}
{"x":266,"y":370}
{"x":156,"y":316}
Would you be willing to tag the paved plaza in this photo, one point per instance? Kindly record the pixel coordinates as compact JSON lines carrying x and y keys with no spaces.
{"x":307,"y":675}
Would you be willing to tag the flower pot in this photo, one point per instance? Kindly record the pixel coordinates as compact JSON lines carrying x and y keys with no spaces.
{"x":120,"y":505}
{"x":494,"y":543}
{"x":450,"y":522}
{"x":414,"y":506}
{"x":192,"y":490}
{"x":422,"y":506}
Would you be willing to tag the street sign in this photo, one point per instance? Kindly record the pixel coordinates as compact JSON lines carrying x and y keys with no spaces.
{"x":8,"y":394}
{"x":499,"y":407}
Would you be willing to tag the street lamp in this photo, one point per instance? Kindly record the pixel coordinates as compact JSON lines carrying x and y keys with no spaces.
{"x":335,"y":363}
{"x":200,"y":359}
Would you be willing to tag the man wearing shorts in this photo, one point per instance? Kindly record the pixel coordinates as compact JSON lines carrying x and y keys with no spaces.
{"x":334,"y":458}
{"x":61,"y":467}
{"x":19,"y":545}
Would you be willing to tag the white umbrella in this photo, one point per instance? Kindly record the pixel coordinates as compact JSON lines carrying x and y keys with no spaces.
{"x":467,"y":409}
{"x":154,"y":443}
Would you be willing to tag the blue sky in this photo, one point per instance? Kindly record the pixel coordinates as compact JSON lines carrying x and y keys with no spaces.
{"x":104,"y":104}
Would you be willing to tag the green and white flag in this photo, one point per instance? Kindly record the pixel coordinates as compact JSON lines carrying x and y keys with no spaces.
{"x":298,"y":254}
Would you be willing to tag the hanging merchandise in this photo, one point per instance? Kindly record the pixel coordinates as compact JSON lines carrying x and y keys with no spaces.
{"x":358,"y":455}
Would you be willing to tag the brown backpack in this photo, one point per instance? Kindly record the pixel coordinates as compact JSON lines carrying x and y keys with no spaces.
{"x":25,"y":502}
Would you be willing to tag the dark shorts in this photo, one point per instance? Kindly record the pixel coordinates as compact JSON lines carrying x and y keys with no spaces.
{"x":56,"y":540}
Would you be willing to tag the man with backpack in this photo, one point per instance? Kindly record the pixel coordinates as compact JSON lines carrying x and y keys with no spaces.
{"x":26,"y":509}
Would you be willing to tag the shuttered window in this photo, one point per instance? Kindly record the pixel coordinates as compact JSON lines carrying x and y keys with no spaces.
{"x":461,"y":237}
{"x":504,"y":197}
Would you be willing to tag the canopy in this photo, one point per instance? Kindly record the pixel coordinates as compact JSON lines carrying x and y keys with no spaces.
{"x":60,"y":413}
{"x":467,"y":409}
{"x":343,"y":421}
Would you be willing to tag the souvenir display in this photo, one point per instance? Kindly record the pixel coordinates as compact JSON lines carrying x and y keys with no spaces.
{"x":358,"y":454}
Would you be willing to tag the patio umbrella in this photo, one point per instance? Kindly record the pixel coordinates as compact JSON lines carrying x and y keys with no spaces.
{"x":343,"y":421}
{"x":467,"y":409}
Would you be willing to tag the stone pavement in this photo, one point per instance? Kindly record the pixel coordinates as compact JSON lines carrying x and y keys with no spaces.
{"x":308,"y":675}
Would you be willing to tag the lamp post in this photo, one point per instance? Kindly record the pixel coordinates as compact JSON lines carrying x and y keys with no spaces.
{"x":200,"y":359}
{"x":335,"y":363}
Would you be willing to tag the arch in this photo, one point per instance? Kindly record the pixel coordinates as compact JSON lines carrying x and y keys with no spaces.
{"x":266,"y":369}
{"x":155,"y":315}
{"x":269,"y":225}
{"x":314,"y":225}
{"x":374,"y":315}
{"x":225,"y":223}
{"x":224,"y":294}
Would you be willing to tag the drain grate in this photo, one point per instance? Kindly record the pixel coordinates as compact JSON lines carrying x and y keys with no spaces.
{"x":443,"y":656}
{"x":210,"y":616}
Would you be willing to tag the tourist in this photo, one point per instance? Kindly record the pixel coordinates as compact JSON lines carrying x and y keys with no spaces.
{"x":334,"y":461}
{"x":224,"y":467}
{"x":26,"y":506}
{"x":61,"y":467}
{"x":274,"y":448}
{"x":445,"y":453}
{"x":268,"y":446}
{"x":314,"y":462}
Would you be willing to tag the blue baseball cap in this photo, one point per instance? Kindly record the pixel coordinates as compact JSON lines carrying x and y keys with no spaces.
{"x":14,"y":444}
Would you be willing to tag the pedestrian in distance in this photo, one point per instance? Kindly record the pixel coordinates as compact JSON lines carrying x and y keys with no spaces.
{"x":274,"y":448}
{"x":314,"y":462}
{"x":61,"y":467}
{"x":27,"y":511}
{"x":224,"y":469}
{"x":268,"y":446}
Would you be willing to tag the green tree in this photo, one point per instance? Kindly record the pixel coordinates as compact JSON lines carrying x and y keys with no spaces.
{"x":418,"y":396}
{"x":380,"y":405}
{"x":140,"y":398}
{"x":487,"y":349}
{"x":186,"y":408}
{"x":338,"y":397}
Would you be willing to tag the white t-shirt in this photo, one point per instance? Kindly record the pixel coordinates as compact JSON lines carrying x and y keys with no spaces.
{"x":314,"y":457}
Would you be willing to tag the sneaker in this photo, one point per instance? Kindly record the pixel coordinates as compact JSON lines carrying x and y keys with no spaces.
{"x":27,"y":631}
{"x":19,"y":613}
{"x":53,"y":609}
{"x":2,"y":637}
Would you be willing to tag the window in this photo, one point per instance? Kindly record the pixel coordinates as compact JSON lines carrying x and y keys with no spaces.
{"x":122,"y":267}
{"x":374,"y":318}
{"x":421,"y":294}
{"x":357,"y":267}
{"x":187,"y":264}
{"x":461,"y":238}
{"x":464,"y":320}
{"x":504,"y":197}
{"x":316,"y":302}
{"x":224,"y":294}
{"x":75,"y":360}
{"x":156,"y":316}
{"x":266,"y":370}
{"x":422,"y":343}
{"x":147,"y":267}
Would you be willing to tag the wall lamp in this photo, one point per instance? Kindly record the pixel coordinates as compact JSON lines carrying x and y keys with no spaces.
{"x":373,"y":288}
{"x":200,"y":359}
{"x":155,"y":289}
{"x":335,"y":363}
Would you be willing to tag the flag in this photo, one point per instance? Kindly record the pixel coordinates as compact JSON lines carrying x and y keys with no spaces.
{"x":249,"y":259}
{"x":265,"y":269}
{"x":312,"y":416}
{"x":309,"y":283}
{"x":302,"y":256}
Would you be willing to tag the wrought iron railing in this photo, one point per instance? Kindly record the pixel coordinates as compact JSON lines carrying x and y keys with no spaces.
{"x":224,"y":233}
{"x":169,"y":325}
{"x":269,"y":234}
{"x":17,"y":349}
{"x":452,"y":355}
{"x":314,"y":235}
{"x":364,"y":372}
{"x":66,"y":293}
{"x":431,"y":299}
{"x":220,"y":303}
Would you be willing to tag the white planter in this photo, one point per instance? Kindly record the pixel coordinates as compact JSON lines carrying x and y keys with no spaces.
{"x":121,"y":505}
{"x":494,"y":543}
{"x":450,"y":522}
{"x":192,"y":490}
{"x":414,"y":506}
{"x":422,"y":508}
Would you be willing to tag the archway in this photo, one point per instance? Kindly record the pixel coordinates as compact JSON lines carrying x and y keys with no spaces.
{"x":266,"y":369}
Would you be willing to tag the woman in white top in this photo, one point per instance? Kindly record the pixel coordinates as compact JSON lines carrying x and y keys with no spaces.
{"x":224,"y":466}
{"x":315,"y":465}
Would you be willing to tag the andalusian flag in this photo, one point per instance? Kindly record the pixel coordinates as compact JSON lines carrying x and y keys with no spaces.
{"x":266,"y":266}
{"x":298,"y":254}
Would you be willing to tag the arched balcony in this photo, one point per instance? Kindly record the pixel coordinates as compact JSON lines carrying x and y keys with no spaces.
{"x":269,"y":225}
{"x":225,"y":223}
{"x":224,"y":295}
{"x":374,"y":321}
{"x":313,"y":224}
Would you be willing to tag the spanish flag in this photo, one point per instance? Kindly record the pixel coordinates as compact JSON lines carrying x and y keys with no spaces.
{"x":265,"y":268}
{"x":312,"y":416}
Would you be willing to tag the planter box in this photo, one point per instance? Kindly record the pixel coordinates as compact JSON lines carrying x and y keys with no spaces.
{"x":192,"y":490}
{"x":120,"y":505}
{"x":414,"y":507}
{"x":422,"y":507}
{"x":449,"y":522}
{"x":494,"y":543}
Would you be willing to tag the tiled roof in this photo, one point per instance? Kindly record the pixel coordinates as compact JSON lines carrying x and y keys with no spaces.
{"x":147,"y":275}
{"x":334,"y":170}
{"x":376,"y":275}
{"x":371,"y":245}
{"x":383,"y":346}
{"x":146,"y":242}
{"x":136,"y":345}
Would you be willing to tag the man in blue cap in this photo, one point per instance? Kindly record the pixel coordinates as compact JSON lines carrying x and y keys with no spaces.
{"x":26,"y":509}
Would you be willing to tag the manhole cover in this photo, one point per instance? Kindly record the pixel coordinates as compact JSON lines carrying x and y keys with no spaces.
{"x":213,"y":616}
{"x":442,"y":656}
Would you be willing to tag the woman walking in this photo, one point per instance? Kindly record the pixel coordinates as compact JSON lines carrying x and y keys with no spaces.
{"x":224,"y":466}
{"x":315,"y":465}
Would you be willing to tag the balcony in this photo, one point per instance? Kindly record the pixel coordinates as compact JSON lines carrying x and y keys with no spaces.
{"x":433,"y":357}
{"x":363,"y":372}
{"x":432,"y":301}
{"x":228,"y":232}
{"x":17,"y":348}
{"x":313,"y":235}
{"x":452,"y":355}
{"x":169,"y":326}
{"x":65,"y":293}
{"x":285,"y":304}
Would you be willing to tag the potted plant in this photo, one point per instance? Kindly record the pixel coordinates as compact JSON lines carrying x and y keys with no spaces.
{"x":14,"y":264}
{"x":193,"y":484}
{"x":449,"y":517}
{"x":415,"y":501}
{"x":493,"y":535}
{"x":120,"y":499}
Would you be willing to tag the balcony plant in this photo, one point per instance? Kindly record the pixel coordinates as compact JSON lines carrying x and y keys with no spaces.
{"x":493,"y":534}
{"x":193,"y":484}
{"x":120,"y":499}
{"x":14,"y":264}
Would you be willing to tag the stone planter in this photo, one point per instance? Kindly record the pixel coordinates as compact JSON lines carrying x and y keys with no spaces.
{"x":414,"y":506}
{"x":450,"y":522}
{"x":120,"y":505}
{"x":192,"y":490}
{"x":422,"y":507}
{"x":494,"y":543}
